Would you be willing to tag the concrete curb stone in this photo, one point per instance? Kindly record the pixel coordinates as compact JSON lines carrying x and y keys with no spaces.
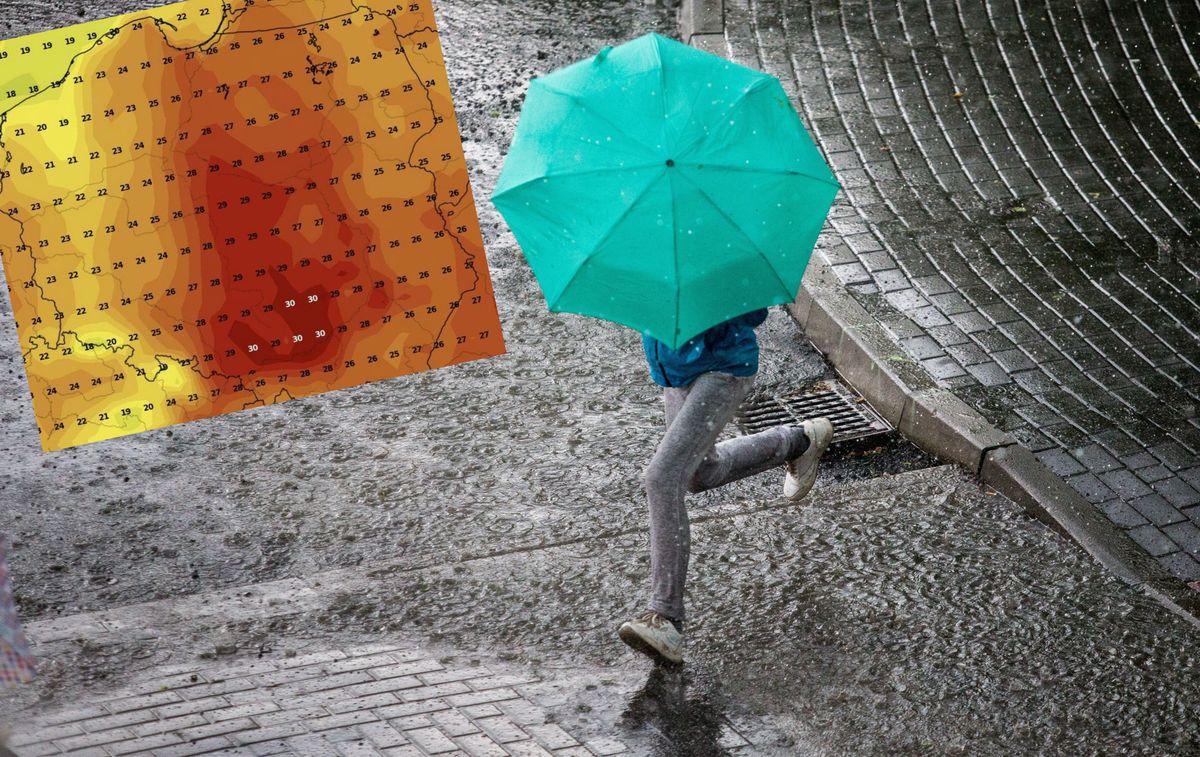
{"x":701,"y":17}
{"x":873,"y":364}
{"x":934,"y":418}
{"x":870,"y":360}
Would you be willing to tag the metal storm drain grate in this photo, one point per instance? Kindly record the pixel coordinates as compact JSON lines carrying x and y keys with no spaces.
{"x":852,"y":417}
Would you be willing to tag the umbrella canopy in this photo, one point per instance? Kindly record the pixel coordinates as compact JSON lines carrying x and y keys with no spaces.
{"x":663,"y":188}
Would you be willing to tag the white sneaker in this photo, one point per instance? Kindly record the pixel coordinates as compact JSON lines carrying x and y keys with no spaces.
{"x":653,"y":635}
{"x":802,"y":471}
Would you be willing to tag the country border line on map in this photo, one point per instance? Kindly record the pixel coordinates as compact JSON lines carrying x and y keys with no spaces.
{"x":112,"y":33}
{"x":436,"y":207}
{"x":228,"y":16}
{"x":193,"y":361}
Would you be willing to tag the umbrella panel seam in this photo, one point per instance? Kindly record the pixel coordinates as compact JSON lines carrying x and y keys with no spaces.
{"x":700,"y":138}
{"x":560,"y":174}
{"x":753,"y":245}
{"x":587,"y":256}
{"x":782,"y":172}
{"x":584,"y":105}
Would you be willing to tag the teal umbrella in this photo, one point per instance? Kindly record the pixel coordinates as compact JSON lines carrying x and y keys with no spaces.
{"x":664,"y":188}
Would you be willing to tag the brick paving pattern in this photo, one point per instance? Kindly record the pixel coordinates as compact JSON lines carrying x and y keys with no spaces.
{"x":1021,"y":208}
{"x":377,"y":700}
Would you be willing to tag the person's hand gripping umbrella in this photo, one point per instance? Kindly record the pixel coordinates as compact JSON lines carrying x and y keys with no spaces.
{"x":663,"y":188}
{"x":672,"y":191}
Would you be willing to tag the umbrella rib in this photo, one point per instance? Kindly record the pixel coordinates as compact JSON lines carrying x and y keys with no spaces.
{"x":736,"y":101}
{"x":739,"y":229}
{"x":603,"y":239}
{"x":675,"y":257}
{"x":662,"y":87}
{"x":605,"y":169}
{"x":691,"y":109}
{"x":782,"y":172}
{"x":583,"y":104}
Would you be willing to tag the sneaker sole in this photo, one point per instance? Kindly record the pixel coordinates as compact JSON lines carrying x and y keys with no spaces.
{"x":635,"y":640}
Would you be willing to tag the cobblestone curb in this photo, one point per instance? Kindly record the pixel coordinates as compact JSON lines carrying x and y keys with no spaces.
{"x":867,"y":357}
{"x":701,"y":17}
{"x":380,"y":699}
{"x":874,"y":364}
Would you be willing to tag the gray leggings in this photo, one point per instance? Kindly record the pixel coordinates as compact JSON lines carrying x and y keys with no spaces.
{"x":688,"y":458}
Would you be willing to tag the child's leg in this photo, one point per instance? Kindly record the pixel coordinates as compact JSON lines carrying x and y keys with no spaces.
{"x":673,"y":398}
{"x":696,"y":418}
{"x":748,"y":455}
{"x":744,"y":455}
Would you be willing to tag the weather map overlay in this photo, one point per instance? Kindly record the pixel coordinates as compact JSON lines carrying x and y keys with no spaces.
{"x":207,"y":206}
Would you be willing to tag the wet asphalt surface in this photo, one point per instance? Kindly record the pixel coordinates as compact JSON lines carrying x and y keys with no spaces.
{"x":915,"y":614}
{"x":544,"y":443}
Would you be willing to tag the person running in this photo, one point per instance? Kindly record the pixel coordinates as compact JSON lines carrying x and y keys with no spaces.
{"x":705,"y":381}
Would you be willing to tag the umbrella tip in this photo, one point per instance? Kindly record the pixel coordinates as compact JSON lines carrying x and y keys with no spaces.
{"x":603,"y":53}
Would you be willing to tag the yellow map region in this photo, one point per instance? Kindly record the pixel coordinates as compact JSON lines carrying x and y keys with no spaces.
{"x":208,"y":206}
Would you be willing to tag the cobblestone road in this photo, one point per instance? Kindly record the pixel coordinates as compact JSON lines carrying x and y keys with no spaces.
{"x":381,"y":699}
{"x":1021,"y":208}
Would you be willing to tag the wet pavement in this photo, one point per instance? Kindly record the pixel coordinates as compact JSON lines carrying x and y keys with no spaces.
{"x":1021,"y":210}
{"x":906,"y":614}
{"x":544,"y":443}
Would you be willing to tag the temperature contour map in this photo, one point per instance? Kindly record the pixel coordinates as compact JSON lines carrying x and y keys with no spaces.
{"x":208,"y":206}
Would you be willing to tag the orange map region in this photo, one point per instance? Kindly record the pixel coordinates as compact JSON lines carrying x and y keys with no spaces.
{"x":207,"y":206}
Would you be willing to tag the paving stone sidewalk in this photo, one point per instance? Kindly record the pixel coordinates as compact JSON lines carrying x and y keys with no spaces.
{"x":904,"y":614}
{"x":1021,"y":211}
{"x":380,"y":699}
